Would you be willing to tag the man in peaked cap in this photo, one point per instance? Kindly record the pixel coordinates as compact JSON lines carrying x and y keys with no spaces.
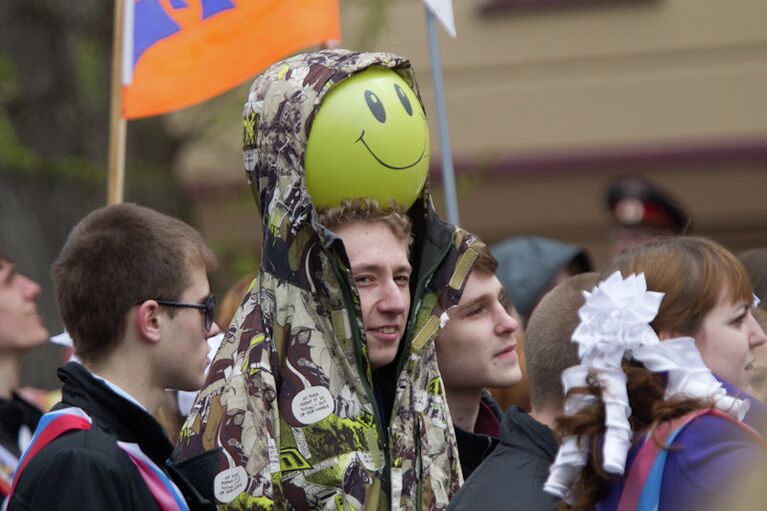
{"x":642,"y":211}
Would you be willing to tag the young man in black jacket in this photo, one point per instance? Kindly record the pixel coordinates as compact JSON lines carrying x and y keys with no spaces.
{"x":132,"y":289}
{"x":476,"y":349}
{"x":513,"y":475}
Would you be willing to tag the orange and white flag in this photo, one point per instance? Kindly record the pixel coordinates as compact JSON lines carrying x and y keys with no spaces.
{"x":177,"y":53}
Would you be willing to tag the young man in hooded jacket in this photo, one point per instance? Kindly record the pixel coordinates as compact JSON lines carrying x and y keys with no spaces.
{"x":294,"y":412}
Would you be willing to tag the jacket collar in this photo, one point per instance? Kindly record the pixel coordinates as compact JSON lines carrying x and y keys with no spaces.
{"x":516,"y":421}
{"x":112,"y":412}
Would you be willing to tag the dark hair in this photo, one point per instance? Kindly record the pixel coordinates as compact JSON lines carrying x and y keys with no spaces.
{"x":117,"y":257}
{"x":549,"y":349}
{"x":755,"y":262}
{"x":367,"y":210}
{"x":486,"y":261}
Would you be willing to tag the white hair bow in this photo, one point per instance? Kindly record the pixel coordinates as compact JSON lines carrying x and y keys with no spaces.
{"x":615,"y":324}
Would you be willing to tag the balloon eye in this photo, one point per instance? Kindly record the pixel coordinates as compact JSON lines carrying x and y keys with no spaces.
{"x":403,"y":99}
{"x":375,"y":106}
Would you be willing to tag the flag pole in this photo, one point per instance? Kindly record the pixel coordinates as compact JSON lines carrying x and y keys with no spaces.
{"x":448,"y":177}
{"x":117,"y":124}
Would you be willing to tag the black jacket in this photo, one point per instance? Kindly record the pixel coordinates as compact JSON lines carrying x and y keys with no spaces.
{"x":86,"y":469}
{"x":512,"y":476}
{"x":16,"y":414}
{"x":474,"y":447}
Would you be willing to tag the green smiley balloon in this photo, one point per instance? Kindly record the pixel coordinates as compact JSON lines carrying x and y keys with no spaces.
{"x":369,"y":138}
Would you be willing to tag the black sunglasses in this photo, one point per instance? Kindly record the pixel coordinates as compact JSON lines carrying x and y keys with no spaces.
{"x":209,"y":307}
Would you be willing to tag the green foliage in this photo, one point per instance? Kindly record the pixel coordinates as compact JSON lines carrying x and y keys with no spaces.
{"x":12,"y":152}
{"x":235,"y":260}
{"x":89,"y":59}
{"x":372,"y":24}
{"x":9,"y":81}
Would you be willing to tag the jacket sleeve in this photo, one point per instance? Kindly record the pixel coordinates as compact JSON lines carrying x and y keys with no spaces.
{"x":236,"y":412}
{"x":77,"y":479}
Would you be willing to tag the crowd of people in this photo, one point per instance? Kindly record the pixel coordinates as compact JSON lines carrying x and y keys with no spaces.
{"x":367,"y":363}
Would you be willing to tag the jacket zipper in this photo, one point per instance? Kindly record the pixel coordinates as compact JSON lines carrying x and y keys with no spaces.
{"x":408,"y":335}
{"x":418,"y":295}
{"x":383,"y":435}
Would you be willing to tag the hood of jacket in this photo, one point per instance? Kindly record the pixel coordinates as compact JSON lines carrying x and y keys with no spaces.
{"x":528,"y":264}
{"x":289,"y":397}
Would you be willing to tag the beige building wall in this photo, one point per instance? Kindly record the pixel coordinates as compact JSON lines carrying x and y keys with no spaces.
{"x":636,"y":73}
{"x":546,"y":107}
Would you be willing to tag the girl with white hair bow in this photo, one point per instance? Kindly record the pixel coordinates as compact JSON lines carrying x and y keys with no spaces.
{"x":647,"y":425}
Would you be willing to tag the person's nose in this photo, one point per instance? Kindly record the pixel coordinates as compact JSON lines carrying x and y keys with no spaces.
{"x":506,"y":324}
{"x":29,"y":287}
{"x":756,"y":336}
{"x":393,"y":299}
{"x":213,"y":331}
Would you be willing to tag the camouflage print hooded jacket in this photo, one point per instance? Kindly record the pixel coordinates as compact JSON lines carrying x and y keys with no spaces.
{"x":289,"y":398}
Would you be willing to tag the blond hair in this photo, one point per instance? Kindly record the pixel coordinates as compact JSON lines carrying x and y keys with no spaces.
{"x":367,"y":210}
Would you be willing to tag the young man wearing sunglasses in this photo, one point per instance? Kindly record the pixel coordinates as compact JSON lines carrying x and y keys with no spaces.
{"x":132,"y":289}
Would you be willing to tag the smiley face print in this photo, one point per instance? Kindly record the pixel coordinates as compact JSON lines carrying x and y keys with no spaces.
{"x":369,"y":138}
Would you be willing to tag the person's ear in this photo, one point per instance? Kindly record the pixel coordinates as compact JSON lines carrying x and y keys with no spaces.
{"x":665,"y":335}
{"x":148,"y":321}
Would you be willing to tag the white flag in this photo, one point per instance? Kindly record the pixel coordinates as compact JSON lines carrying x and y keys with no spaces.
{"x":443,"y":11}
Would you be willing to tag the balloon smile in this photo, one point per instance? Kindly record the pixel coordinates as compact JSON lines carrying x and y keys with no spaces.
{"x":379,"y":160}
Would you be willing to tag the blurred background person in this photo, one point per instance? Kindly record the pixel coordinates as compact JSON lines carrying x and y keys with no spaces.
{"x":641,"y":211}
{"x":530,"y":266}
{"x":755,"y":261}
{"x":233,"y":299}
{"x":21,"y":329}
